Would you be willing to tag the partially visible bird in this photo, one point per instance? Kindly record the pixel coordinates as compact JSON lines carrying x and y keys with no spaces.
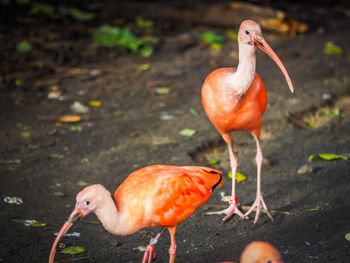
{"x":235,"y":99}
{"x":157,"y":195}
{"x":259,"y":252}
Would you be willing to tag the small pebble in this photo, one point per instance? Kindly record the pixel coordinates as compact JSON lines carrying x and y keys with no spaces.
{"x":306,"y":168}
{"x":326,"y":96}
{"x":166,"y":117}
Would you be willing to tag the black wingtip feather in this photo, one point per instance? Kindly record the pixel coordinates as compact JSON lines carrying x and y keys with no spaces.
{"x":214,"y":172}
{"x":216,"y":185}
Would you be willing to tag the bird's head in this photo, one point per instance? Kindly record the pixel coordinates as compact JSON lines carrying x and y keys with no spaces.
{"x":248,"y":31}
{"x":260,"y":252}
{"x":250,"y":34}
{"x":87,"y":201}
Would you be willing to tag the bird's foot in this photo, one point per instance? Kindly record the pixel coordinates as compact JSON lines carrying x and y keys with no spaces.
{"x":259,"y":204}
{"x":150,"y":253}
{"x":229,"y":212}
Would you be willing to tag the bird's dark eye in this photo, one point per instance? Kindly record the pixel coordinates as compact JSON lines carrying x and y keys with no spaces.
{"x":268,"y":261}
{"x":87,"y":202}
{"x":247,"y":32}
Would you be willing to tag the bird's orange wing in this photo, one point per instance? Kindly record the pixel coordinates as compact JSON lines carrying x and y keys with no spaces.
{"x":165,"y":194}
{"x":186,"y":190}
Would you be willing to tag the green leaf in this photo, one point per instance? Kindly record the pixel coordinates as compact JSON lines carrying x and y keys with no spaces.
{"x":317,"y":208}
{"x":57,"y":156}
{"x":216,"y":46}
{"x":328,"y":156}
{"x":33,"y":223}
{"x":347,"y":236}
{"x":332,"y":49}
{"x":144,"y":25}
{"x":162,"y":91}
{"x":187,"y":132}
{"x":145,"y":67}
{"x":95,"y":103}
{"x":82,"y":183}
{"x":39,"y":8}
{"x":81,"y":15}
{"x":25,"y":134}
{"x":59,"y":194}
{"x":146,"y":50}
{"x":37,"y":63}
{"x":239,"y":176}
{"x":53,"y":36}
{"x":24,"y":46}
{"x":310,"y":123}
{"x":232,"y":34}
{"x":109,"y":36}
{"x":129,"y":40}
{"x":211,"y":37}
{"x":19,"y":82}
{"x":312,"y":156}
{"x":333,"y":113}
{"x":73,"y":250}
{"x":193,"y":112}
{"x":77,"y":128}
{"x":150,"y":39}
{"x":213,"y":160}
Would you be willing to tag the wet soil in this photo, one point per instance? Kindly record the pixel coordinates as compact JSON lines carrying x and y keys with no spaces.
{"x":42,"y":160}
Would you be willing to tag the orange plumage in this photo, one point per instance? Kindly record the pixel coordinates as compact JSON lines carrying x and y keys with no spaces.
{"x":164,"y":195}
{"x":157,"y":195}
{"x":232,"y":113}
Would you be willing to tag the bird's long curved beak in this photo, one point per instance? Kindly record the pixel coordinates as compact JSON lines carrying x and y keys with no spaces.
{"x":264,"y":46}
{"x":74,"y":216}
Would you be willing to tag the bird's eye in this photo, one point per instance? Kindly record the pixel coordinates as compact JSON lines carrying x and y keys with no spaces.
{"x":268,"y":261}
{"x":87,"y":202}
{"x":247,"y":32}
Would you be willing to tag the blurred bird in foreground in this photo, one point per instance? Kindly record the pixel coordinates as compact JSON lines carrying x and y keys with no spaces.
{"x":259,"y":252}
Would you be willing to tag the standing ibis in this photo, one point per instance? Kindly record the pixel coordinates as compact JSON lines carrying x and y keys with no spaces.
{"x":157,"y":195}
{"x":235,"y":99}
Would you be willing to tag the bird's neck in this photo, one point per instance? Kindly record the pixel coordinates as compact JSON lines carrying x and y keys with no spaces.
{"x":246,"y":68}
{"x":108,"y":214}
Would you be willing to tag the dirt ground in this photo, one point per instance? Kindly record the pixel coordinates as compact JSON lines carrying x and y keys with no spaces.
{"x":46,"y":162}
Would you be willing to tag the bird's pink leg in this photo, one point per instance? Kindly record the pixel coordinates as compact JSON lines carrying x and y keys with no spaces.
{"x":259,"y":201}
{"x":233,"y":207}
{"x":150,"y":252}
{"x":172,"y":249}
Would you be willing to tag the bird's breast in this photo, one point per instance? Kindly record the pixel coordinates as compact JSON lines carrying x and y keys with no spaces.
{"x":230,"y":110}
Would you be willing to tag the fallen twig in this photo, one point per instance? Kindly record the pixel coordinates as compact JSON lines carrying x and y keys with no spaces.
{"x":16,"y":161}
{"x":297,"y":122}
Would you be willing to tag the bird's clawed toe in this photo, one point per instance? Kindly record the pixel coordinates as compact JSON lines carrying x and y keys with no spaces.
{"x":150,"y":253}
{"x":229,"y":212}
{"x":258,"y":205}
